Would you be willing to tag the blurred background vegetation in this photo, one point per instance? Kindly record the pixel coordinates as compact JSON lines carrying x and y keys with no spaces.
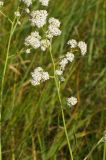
{"x":32,"y":127}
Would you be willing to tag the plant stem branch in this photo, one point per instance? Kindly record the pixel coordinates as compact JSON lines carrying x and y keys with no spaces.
{"x":94,"y":147}
{"x":6,"y":17}
{"x":104,"y":152}
{"x":59,"y":97}
{"x":13,"y":26}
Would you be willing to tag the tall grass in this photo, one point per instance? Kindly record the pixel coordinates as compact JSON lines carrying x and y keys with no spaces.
{"x":31,"y":123}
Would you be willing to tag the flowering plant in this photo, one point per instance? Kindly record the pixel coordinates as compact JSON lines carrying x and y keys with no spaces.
{"x":45,"y":29}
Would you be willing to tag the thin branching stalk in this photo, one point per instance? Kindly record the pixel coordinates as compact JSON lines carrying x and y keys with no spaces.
{"x":13,"y":146}
{"x":104,"y":152}
{"x":94,"y":147}
{"x":6,"y":16}
{"x":2,"y":83}
{"x":33,"y":149}
{"x":13,"y":27}
{"x":59,"y":97}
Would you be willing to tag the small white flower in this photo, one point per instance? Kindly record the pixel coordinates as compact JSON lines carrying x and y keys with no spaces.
{"x":49,"y":35}
{"x":45,"y":76}
{"x":17,"y":14}
{"x":70,"y":56}
{"x":33,"y":40}
{"x":53,"y":28}
{"x":59,"y":72}
{"x":44,"y":2}
{"x":27,"y":10}
{"x":72,"y":43}
{"x":38,"y":76}
{"x":1,"y":3}
{"x":35,"y":34}
{"x":62,"y":79}
{"x":28,"y":51}
{"x":27,"y":2}
{"x":72,"y":101}
{"x":53,"y":31}
{"x":63,"y":63}
{"x":18,"y":22}
{"x":83,"y":47}
{"x":38,"y":18}
{"x":55,"y":22}
{"x":45,"y":43}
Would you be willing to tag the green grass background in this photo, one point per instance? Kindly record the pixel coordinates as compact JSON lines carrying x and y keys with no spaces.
{"x":32,"y":127}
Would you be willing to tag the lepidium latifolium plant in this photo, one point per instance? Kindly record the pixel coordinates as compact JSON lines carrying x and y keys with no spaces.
{"x":44,"y":31}
{"x":51,"y":27}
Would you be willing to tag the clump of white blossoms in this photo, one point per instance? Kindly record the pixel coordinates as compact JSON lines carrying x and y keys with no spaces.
{"x":39,"y":76}
{"x":33,"y":40}
{"x":58,"y":72}
{"x":83,"y":47}
{"x":17,"y":14}
{"x":45,"y":43}
{"x":1,"y":3}
{"x":27,"y":10}
{"x":44,"y":2}
{"x":71,"y":101}
{"x":73,"y":43}
{"x":38,"y":18}
{"x":63,"y":63}
{"x":28,"y":51}
{"x":53,"y":28}
{"x":69,"y":57}
{"x":28,"y":3}
{"x":55,"y":22}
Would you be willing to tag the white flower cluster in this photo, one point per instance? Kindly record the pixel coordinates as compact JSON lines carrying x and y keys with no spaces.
{"x":53,"y":28}
{"x":38,"y":18}
{"x":1,"y":3}
{"x":17,"y":14}
{"x":39,"y":76}
{"x":71,"y":101}
{"x":33,"y":40}
{"x":44,"y":2}
{"x":27,"y":2}
{"x":82,"y":45}
{"x":72,"y":43}
{"x":45,"y":43}
{"x":27,"y":10}
{"x":28,"y":51}
{"x":68,"y":58}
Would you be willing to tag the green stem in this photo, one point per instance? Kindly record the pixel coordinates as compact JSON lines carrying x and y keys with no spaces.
{"x":104,"y":152}
{"x":6,"y":16}
{"x":59,"y":97}
{"x":13,"y":26}
{"x":94,"y":147}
